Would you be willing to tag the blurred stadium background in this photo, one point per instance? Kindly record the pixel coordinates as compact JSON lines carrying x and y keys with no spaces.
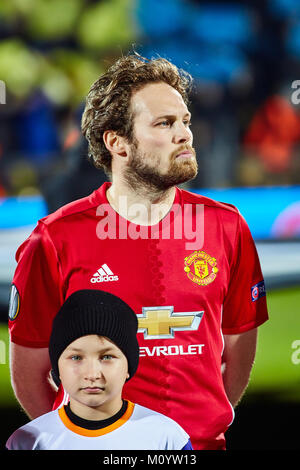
{"x":245,"y":59}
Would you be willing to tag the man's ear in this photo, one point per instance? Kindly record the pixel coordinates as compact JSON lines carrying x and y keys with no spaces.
{"x":115,"y":143}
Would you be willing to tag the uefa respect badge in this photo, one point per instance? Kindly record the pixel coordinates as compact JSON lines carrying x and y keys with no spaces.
{"x":2,"y":92}
{"x":257,"y":291}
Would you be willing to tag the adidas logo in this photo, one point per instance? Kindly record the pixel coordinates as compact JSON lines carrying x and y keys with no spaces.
{"x":104,"y":274}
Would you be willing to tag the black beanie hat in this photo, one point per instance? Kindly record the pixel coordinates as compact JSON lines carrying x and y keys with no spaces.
{"x":89,"y":312}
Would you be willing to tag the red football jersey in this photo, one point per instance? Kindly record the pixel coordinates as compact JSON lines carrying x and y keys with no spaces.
{"x":190,"y":279}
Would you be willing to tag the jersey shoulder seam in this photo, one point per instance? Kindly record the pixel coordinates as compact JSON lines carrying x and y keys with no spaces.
{"x":69,"y":210}
{"x":199,"y":199}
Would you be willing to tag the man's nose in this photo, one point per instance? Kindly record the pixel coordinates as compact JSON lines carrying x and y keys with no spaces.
{"x":182,"y":134}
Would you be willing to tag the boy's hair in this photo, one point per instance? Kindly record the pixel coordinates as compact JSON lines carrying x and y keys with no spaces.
{"x":108,"y":101}
{"x":89,"y":312}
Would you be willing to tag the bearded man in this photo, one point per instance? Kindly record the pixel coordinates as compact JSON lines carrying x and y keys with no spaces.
{"x":187,"y":265}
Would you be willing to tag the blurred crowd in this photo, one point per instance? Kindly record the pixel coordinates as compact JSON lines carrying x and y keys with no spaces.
{"x":244,"y":57}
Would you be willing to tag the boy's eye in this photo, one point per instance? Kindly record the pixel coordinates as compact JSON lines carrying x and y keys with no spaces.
{"x":75,"y":357}
{"x":107,"y":357}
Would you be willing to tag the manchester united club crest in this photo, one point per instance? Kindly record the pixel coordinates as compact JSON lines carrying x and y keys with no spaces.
{"x":201,"y":268}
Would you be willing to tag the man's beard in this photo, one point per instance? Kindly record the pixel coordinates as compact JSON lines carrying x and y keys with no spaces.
{"x":139,"y":174}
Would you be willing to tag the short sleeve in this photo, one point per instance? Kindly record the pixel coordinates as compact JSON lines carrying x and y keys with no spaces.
{"x":245,"y":305}
{"x":188,"y":446}
{"x":36,"y":293}
{"x":176,"y":436}
{"x":23,"y":438}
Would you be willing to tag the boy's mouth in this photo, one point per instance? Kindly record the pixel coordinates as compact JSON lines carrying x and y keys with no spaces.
{"x":93,"y":389}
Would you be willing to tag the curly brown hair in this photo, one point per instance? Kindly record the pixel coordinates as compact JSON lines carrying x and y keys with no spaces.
{"x":108,"y":101}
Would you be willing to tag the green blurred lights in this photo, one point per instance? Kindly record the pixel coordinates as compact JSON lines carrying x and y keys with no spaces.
{"x":97,"y":31}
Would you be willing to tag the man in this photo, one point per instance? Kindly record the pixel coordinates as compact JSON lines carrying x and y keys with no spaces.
{"x":187,"y":265}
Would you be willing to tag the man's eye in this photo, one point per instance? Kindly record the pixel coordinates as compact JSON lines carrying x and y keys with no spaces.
{"x":164,"y":123}
{"x":187,"y":123}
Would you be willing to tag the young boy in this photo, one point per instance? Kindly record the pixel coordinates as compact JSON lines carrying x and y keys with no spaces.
{"x":93,"y":351}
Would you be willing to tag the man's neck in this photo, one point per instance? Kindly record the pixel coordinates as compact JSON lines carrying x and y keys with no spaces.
{"x":142,"y":206}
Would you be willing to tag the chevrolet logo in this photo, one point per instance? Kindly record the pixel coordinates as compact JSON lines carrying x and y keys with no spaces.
{"x":162,"y":322}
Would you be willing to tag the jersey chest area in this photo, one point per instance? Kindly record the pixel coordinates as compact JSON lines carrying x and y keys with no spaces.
{"x":150,"y":273}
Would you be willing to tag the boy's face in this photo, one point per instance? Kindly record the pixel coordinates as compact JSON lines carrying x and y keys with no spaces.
{"x":93,"y":371}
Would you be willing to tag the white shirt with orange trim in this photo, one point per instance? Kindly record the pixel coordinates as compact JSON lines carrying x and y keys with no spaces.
{"x":138,"y":429}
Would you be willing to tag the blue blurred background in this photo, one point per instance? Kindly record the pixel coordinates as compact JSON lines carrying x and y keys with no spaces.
{"x":245,"y":60}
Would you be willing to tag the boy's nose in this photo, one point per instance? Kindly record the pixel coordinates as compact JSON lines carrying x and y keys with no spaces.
{"x":93,"y":371}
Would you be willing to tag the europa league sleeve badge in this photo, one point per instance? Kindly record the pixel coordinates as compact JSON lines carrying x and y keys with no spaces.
{"x":14,"y":303}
